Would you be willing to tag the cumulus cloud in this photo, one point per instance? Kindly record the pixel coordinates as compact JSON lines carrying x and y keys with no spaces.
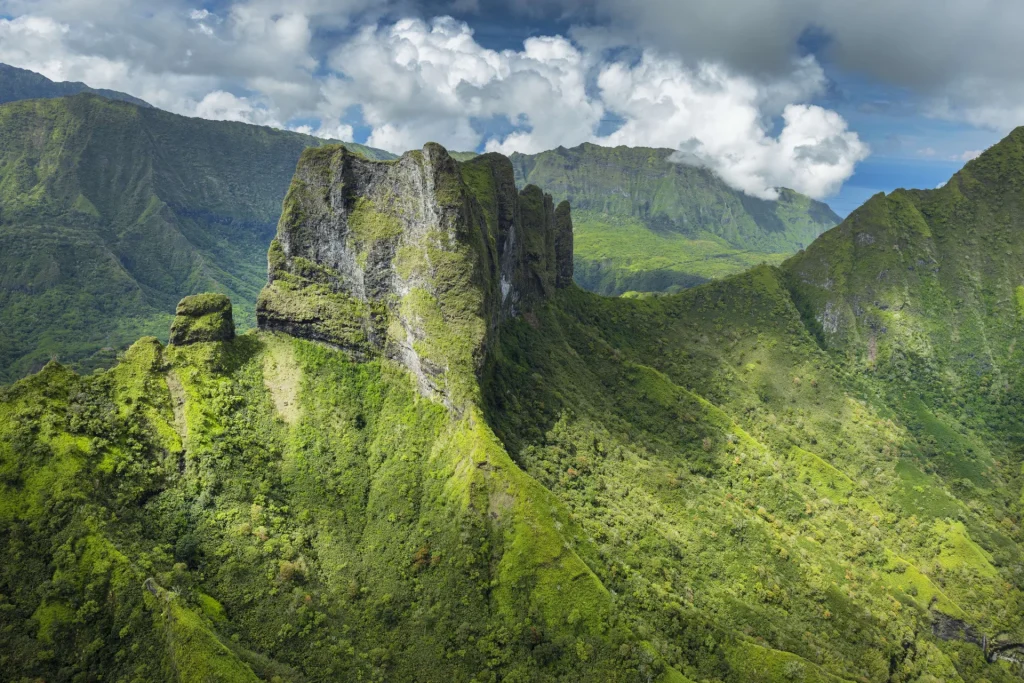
{"x":410,"y":81}
{"x":330,"y":131}
{"x":720,"y":120}
{"x":174,"y":53}
{"x":418,"y":81}
{"x":224,"y":106}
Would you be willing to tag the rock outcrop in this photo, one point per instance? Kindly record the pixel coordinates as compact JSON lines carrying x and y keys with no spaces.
{"x":420,"y":259}
{"x":202,"y":318}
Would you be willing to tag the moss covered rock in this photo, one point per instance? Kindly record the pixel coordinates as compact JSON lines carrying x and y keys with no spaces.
{"x":418,"y":259}
{"x":202,"y":318}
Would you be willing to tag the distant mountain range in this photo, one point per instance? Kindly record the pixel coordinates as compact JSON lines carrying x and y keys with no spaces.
{"x":22,"y":84}
{"x":645,"y":223}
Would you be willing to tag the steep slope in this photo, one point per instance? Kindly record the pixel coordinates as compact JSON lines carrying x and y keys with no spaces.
{"x":22,"y":84}
{"x":924,"y":289}
{"x":766,"y":513}
{"x":110,"y":213}
{"x":927,"y":280}
{"x":644,"y":223}
{"x":439,"y":460}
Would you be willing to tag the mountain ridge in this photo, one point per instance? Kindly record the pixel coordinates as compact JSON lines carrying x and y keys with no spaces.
{"x":22,"y":84}
{"x":204,"y":225}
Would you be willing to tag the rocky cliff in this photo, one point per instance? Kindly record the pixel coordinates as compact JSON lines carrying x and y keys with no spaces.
{"x":420,"y":259}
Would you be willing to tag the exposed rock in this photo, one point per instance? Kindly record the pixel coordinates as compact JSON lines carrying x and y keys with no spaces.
{"x":202,"y":318}
{"x":945,"y":627}
{"x":420,"y":259}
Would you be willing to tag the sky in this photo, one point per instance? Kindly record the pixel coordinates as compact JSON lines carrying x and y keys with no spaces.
{"x":838,"y":99}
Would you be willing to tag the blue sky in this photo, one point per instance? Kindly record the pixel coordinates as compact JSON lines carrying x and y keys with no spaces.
{"x":836,"y":99}
{"x":908,"y":148}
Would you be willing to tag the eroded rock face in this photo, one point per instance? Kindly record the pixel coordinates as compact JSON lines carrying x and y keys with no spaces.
{"x":202,"y":318}
{"x":420,"y":259}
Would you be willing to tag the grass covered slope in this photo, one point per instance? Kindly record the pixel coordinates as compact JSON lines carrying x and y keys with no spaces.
{"x":110,"y":213}
{"x":298,"y":515}
{"x":189,"y":530}
{"x":685,"y":496}
{"x":644,"y":223}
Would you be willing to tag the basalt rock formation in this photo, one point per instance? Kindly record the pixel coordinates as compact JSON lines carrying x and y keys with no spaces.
{"x":420,"y":259}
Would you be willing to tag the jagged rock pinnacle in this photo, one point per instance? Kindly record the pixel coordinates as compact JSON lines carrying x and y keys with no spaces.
{"x":419,"y":259}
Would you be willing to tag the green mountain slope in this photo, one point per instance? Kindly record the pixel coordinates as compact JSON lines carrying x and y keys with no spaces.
{"x":22,"y":84}
{"x":925,"y":285}
{"x":437,"y":459}
{"x":644,"y":223}
{"x":110,"y":213}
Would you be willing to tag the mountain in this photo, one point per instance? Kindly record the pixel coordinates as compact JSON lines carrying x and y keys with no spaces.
{"x":927,"y":285}
{"x":111,"y":212}
{"x":437,"y":459}
{"x":645,"y":223}
{"x":22,"y":84}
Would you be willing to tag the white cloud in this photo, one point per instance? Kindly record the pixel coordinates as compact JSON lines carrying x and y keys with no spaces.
{"x":45,"y":46}
{"x":336,"y":131}
{"x":416,"y":81}
{"x":720,"y":120}
{"x":419,"y":81}
{"x":168,"y":53}
{"x":220,"y":105}
{"x":968,"y":155}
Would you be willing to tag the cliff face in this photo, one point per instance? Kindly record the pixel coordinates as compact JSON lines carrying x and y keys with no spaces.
{"x":420,"y":259}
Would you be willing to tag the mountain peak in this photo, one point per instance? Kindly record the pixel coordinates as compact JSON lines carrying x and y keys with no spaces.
{"x":419,"y":259}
